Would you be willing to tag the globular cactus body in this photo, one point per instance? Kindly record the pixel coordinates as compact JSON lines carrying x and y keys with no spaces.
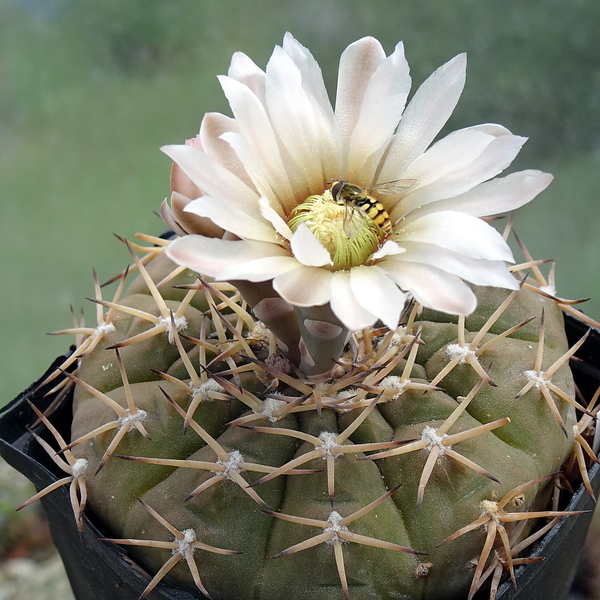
{"x":398,"y":555}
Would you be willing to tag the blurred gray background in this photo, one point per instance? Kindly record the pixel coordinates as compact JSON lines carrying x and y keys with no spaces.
{"x":89,"y":90}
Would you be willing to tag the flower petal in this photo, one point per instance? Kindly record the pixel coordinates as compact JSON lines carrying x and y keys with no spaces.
{"x":245,"y":70}
{"x":494,"y":197}
{"x":431,"y":287}
{"x":357,"y":64}
{"x":211,"y":177}
{"x":213,"y":126}
{"x":304,"y":286}
{"x":239,"y":222}
{"x":257,"y":131}
{"x":425,"y":115}
{"x":308,"y":249}
{"x":293,"y":118}
{"x":210,"y":256}
{"x":459,"y":232}
{"x":345,"y":306}
{"x":261,"y":269}
{"x":253,"y":166}
{"x":316,"y":92}
{"x":168,"y":217}
{"x":478,"y":271}
{"x":494,"y":159}
{"x":312,"y":78}
{"x":183,"y":222}
{"x":384,"y":100}
{"x":271,"y":215}
{"x":378,"y":294}
{"x":452,"y":153}
{"x":389,"y":248}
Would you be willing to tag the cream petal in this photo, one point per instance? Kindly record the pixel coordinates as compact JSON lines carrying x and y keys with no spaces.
{"x":431,"y":287}
{"x":491,"y":129}
{"x":314,"y":87}
{"x":253,"y":167}
{"x":358,"y":63}
{"x":210,"y":256}
{"x":477,"y":271}
{"x":494,"y":159}
{"x":312,"y":77}
{"x":179,"y":182}
{"x":389,"y":248}
{"x":213,"y":126}
{"x":167,"y":216}
{"x":256,"y":128}
{"x":293,"y":118}
{"x":210,"y":176}
{"x":378,"y":294}
{"x":187,"y":222}
{"x":425,"y":115}
{"x":452,"y":153}
{"x":308,"y":249}
{"x":271,"y":215}
{"x":304,"y":286}
{"x":456,"y":231}
{"x":345,"y":306}
{"x":245,"y":70}
{"x":494,"y":197}
{"x":241,"y":223}
{"x":261,"y":269}
{"x":384,"y":100}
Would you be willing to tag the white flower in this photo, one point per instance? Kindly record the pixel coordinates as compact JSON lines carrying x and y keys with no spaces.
{"x":286,"y":145}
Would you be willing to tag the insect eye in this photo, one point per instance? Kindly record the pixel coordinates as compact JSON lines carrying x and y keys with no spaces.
{"x":336,"y":188}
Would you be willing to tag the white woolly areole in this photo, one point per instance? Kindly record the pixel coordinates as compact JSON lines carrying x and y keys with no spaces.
{"x":536,"y":377}
{"x":80,"y":467}
{"x":393,"y":382}
{"x":203,"y":390}
{"x":346,"y":394}
{"x":458,"y":351}
{"x":271,"y":408}
{"x":259,"y":332}
{"x":489,"y":508}
{"x":401,"y":337}
{"x":180,"y":324}
{"x":430,"y":435}
{"x":233,"y":464}
{"x":186,"y":544}
{"x":129,"y":421}
{"x":329,"y":443}
{"x":335,"y":527}
{"x":106,"y":328}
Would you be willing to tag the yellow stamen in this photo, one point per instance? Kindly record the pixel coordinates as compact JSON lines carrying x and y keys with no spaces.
{"x":325,"y":218}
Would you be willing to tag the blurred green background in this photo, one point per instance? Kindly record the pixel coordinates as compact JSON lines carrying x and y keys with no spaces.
{"x":90,"y":89}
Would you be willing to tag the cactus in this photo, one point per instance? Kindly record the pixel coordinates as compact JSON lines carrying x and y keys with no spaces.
{"x":328,"y":410}
{"x":204,"y":446}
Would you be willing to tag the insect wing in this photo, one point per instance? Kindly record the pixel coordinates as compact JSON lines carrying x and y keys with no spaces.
{"x":354,"y":219}
{"x":397,"y":186}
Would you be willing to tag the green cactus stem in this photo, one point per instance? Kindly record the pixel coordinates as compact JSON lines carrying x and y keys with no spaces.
{"x":222,"y":467}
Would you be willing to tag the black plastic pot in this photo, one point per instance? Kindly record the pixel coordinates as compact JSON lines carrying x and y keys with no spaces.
{"x":101,"y":571}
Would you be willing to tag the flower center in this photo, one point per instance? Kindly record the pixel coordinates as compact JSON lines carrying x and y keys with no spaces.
{"x":345,"y":229}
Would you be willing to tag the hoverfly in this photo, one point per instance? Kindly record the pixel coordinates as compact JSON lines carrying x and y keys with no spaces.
{"x":359,"y":204}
